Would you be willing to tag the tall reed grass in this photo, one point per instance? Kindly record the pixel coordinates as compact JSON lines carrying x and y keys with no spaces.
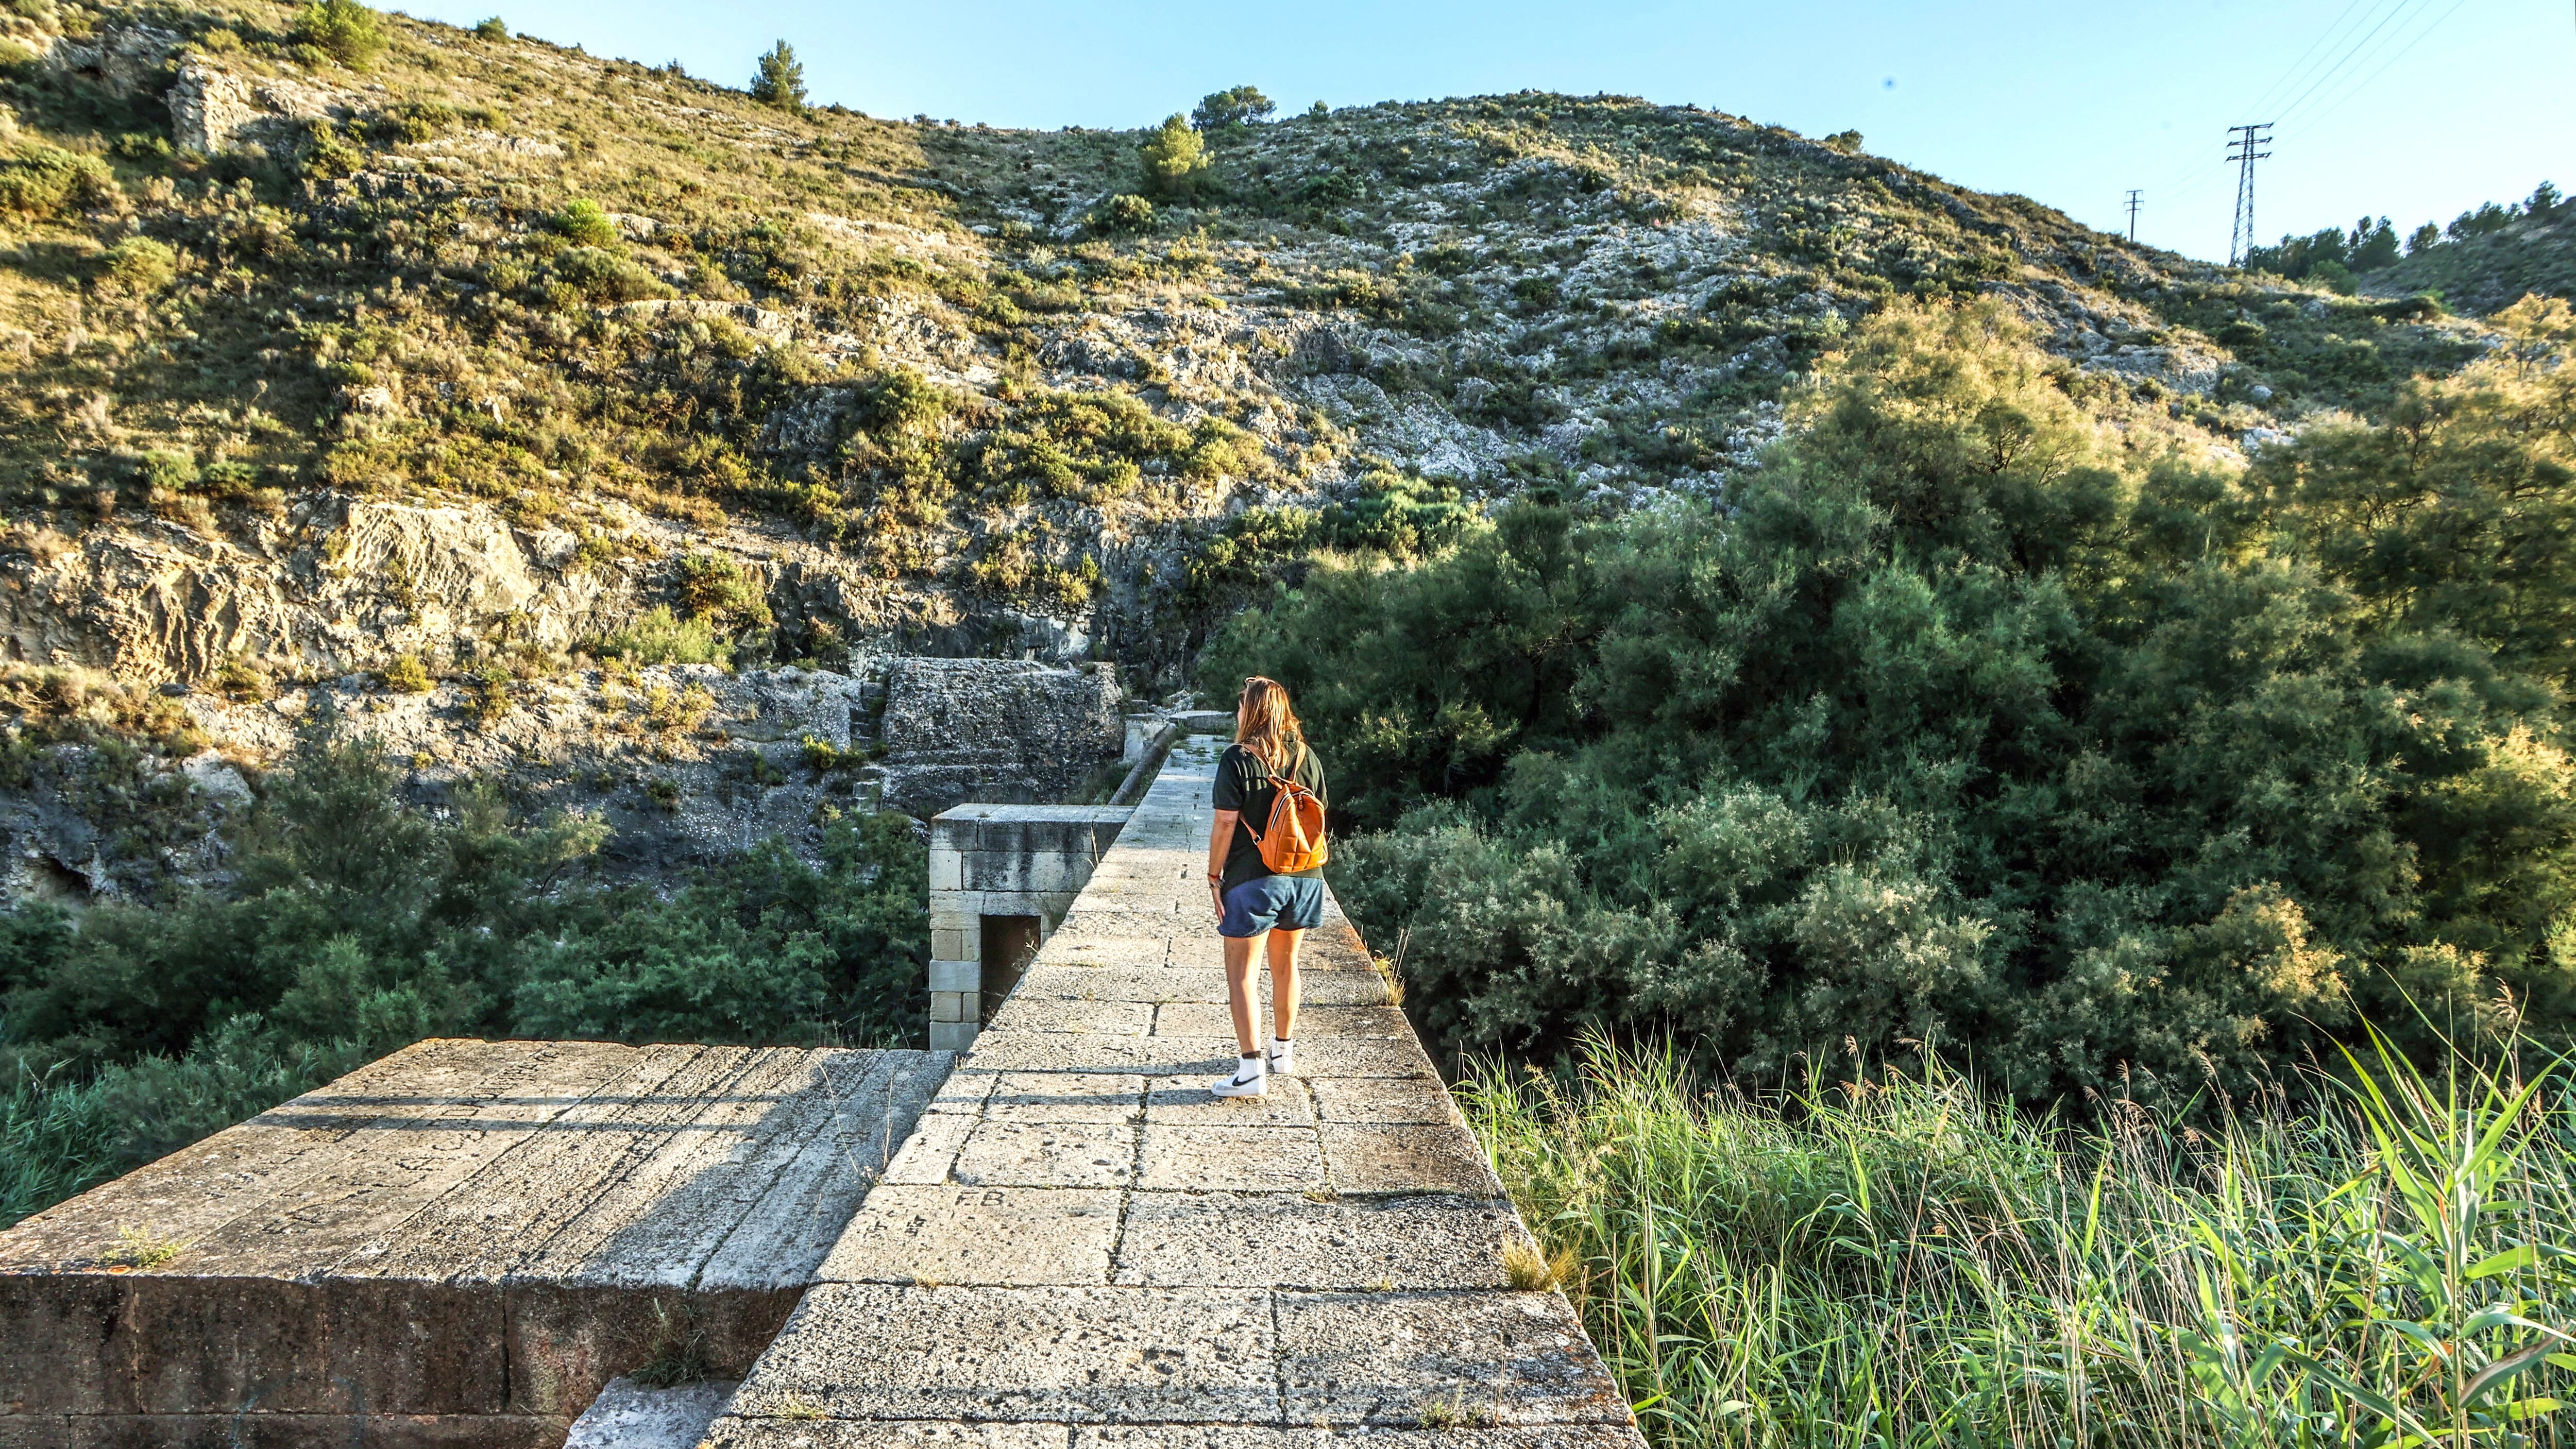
{"x":1904,"y":1262}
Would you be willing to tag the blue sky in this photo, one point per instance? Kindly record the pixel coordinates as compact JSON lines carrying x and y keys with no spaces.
{"x":2413,"y":108}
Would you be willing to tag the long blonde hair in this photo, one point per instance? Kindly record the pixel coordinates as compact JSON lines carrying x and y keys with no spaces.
{"x":1264,"y":724}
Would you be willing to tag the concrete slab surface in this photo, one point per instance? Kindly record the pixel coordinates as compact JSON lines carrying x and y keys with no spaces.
{"x":1081,"y":1248}
{"x":627,"y":1415}
{"x":462,"y":1233}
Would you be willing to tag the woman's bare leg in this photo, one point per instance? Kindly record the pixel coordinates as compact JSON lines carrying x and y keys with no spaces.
{"x":1239,"y":951}
{"x":1283,"y":985}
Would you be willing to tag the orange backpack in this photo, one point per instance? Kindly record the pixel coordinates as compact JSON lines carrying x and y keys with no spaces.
{"x":1293,"y":839}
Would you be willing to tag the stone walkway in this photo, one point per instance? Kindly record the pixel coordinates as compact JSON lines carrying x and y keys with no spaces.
{"x":1079,"y":1248}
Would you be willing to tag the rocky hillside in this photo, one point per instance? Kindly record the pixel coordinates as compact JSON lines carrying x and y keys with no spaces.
{"x":468,"y":348}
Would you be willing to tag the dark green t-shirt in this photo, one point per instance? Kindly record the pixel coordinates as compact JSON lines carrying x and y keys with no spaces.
{"x":1243,"y":784}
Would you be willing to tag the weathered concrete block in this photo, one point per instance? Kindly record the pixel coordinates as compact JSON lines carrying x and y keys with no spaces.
{"x":1407,"y":1359}
{"x":954,"y":1036}
{"x":966,"y":974}
{"x":1046,"y":1154}
{"x":1009,"y":1236}
{"x":1066,"y":1097}
{"x":1289,"y":1240}
{"x":1061,"y":1355}
{"x":947,"y":1006}
{"x":1230,"y":1159}
{"x":1373,"y":1157}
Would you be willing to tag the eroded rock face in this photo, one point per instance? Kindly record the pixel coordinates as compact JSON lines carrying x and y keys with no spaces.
{"x":345,"y":584}
{"x":685,"y":763}
{"x":213,"y":110}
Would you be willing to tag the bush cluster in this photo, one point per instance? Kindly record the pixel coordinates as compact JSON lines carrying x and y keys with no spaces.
{"x":1966,"y":725}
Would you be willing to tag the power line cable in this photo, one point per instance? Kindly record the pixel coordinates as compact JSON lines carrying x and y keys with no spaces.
{"x":2286,"y":112}
{"x":2340,"y":99}
{"x":2299,"y":66}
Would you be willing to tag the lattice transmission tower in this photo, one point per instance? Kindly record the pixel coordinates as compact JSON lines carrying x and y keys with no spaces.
{"x":2241,"y":144}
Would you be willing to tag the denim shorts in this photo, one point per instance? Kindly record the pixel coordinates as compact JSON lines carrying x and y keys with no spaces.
{"x":1273,"y":902}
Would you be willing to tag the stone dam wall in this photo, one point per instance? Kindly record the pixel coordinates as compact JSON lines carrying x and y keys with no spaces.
{"x":1064,"y":1242}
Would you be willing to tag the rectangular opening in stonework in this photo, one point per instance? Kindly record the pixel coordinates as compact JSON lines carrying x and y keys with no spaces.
{"x":1010,"y":943}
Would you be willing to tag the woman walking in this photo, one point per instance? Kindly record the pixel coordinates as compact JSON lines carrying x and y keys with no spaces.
{"x":1257,"y":905}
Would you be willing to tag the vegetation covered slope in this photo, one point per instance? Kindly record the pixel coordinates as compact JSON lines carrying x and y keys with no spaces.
{"x":1981,"y":721}
{"x":962,"y":388}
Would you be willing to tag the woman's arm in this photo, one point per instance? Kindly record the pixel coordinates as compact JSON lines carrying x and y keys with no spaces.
{"x":1220,"y":841}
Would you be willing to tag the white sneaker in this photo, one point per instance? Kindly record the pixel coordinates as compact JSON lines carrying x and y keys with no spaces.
{"x":1250,"y":1079}
{"x":1283,"y":1058}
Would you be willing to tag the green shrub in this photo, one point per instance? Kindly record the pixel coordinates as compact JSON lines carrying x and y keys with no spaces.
{"x":597,"y":274}
{"x":345,"y":30}
{"x":325,"y":154}
{"x":586,"y":223}
{"x":716,"y":588}
{"x":1175,"y":158}
{"x":490,"y":699}
{"x":44,"y":182}
{"x":407,"y":675}
{"x":491,"y":27}
{"x":1125,"y":212}
{"x":139,"y":266}
{"x":661,"y":637}
{"x":415,"y":121}
{"x":167,"y":469}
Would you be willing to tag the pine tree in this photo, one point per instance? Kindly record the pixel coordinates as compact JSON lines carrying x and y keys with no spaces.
{"x":1175,"y":158}
{"x":781,"y":80}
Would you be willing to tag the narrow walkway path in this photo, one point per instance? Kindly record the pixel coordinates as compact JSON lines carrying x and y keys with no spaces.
{"x":1079,"y":1247}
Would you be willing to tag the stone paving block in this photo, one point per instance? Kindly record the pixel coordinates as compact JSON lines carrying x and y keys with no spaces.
{"x":1107,"y":1018}
{"x":963,"y":1091}
{"x":401,"y":1164}
{"x":1008,"y":1236}
{"x":1047,"y":1154}
{"x":1383,"y":1101}
{"x":1230,"y":1159}
{"x":1291,"y":1240}
{"x":1375,"y":1158}
{"x":627,"y":1415}
{"x":1415,"y":1359}
{"x":1148,"y":984}
{"x":1066,"y":1097}
{"x":928,"y":1153}
{"x":1161,"y":1056}
{"x":1362,"y":1057}
{"x":738,"y":1433}
{"x":1187,"y":1100}
{"x":1059,"y":1355}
